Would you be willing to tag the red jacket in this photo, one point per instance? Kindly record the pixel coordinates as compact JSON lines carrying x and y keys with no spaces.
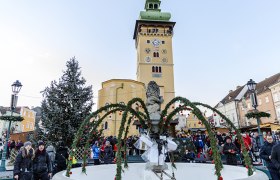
{"x":247,"y":142}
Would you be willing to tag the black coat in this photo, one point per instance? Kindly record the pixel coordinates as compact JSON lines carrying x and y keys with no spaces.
{"x":42,"y":163}
{"x":61,"y":157}
{"x":265,"y":153}
{"x":23,"y":166}
{"x":220,"y":140}
{"x":108,"y":154}
{"x":275,"y":156}
{"x":230,"y":157}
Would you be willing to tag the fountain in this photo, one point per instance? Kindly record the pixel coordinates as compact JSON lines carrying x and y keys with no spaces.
{"x":159,"y":142}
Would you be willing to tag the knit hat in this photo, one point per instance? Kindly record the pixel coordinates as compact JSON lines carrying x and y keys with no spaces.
{"x":41,"y":143}
{"x":27,"y":143}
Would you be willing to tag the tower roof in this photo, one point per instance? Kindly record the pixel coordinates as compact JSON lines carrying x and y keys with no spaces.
{"x":153,"y":12}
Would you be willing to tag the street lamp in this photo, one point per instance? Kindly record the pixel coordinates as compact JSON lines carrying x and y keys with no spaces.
{"x":252,"y":89}
{"x":16,"y":87}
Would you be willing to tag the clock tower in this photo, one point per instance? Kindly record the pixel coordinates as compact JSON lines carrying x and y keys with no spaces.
{"x":153,"y":40}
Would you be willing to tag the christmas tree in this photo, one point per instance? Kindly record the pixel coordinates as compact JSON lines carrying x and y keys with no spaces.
{"x":65,"y":105}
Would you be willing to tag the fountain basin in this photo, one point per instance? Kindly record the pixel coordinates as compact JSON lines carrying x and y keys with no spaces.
{"x":190,"y":171}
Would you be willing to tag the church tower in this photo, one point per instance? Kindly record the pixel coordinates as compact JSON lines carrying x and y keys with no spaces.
{"x":153,"y":40}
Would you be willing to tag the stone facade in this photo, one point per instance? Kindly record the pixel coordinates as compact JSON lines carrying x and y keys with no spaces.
{"x":275,"y":91}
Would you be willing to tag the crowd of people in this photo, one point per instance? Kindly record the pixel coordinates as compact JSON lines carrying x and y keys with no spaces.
{"x":40,"y":163}
{"x":104,"y":150}
{"x":44,"y":162}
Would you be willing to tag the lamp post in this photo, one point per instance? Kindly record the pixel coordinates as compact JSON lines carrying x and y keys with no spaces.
{"x":16,"y":86}
{"x":252,"y":89}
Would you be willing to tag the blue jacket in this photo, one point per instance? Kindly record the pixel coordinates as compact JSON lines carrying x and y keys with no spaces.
{"x":96,"y":151}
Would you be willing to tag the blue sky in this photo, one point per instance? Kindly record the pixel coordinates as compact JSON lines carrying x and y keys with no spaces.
{"x":218,"y":44}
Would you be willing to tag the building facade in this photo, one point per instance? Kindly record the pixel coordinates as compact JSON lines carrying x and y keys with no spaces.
{"x":275,"y":91}
{"x":28,"y":123}
{"x":229,"y":107}
{"x":265,"y":102}
{"x":194,"y":124}
{"x":119,"y":91}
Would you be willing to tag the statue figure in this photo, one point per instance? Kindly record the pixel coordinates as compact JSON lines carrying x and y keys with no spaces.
{"x":154,"y":100}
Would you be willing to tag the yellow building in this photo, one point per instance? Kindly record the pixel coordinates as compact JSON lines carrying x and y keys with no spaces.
{"x":118,"y":91}
{"x":153,"y":39}
{"x":194,"y":124}
{"x":28,"y":124}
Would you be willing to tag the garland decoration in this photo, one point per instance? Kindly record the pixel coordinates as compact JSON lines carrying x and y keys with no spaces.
{"x":12,"y":118}
{"x":257,"y":115}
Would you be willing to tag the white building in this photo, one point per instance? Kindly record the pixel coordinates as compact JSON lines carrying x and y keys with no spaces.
{"x":229,"y":107}
{"x":275,"y":91}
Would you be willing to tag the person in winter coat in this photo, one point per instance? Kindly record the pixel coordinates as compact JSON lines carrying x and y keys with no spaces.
{"x":188,"y":156}
{"x":61,"y":157}
{"x":23,"y":167}
{"x":256,"y":146}
{"x":96,"y":152}
{"x":275,"y":158}
{"x":42,"y":163}
{"x":265,"y":154}
{"x":230,"y":150}
{"x":108,"y":153}
{"x":51,"y":152}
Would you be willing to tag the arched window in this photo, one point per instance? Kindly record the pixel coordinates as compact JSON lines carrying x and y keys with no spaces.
{"x":159,"y":69}
{"x":156,"y":6}
{"x":156,"y":69}
{"x":106,"y":125}
{"x":153,"y":69}
{"x":150,"y":6}
{"x":156,"y":54}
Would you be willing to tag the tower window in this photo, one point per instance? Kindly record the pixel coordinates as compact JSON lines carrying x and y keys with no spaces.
{"x":156,"y":54}
{"x":106,"y":125}
{"x":150,"y":6}
{"x":156,"y":69}
{"x":156,"y":6}
{"x":163,"y":42}
{"x":148,"y":41}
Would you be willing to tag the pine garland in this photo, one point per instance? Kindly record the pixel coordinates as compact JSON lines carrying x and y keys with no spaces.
{"x":12,"y":118}
{"x":257,"y":115}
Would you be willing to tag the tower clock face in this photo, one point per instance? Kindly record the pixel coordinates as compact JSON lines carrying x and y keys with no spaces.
{"x":148,"y":59}
{"x":156,"y":43}
{"x":164,"y":60}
